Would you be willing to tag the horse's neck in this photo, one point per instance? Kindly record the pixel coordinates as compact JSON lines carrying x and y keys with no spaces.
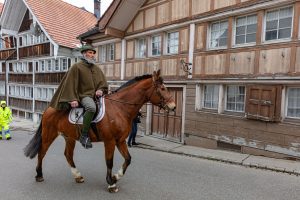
{"x":134,"y":97}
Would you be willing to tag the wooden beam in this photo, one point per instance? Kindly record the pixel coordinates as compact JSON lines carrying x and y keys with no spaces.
{"x":114,"y":32}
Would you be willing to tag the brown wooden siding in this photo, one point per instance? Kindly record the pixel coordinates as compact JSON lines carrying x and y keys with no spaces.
{"x":9,"y":54}
{"x":40,"y":106}
{"x":35,"y":50}
{"x":20,"y":78}
{"x":2,"y":77}
{"x":20,"y":103}
{"x":49,"y":78}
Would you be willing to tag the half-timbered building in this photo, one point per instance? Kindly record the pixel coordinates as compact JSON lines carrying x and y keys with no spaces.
{"x":232,"y":65}
{"x":37,"y":45}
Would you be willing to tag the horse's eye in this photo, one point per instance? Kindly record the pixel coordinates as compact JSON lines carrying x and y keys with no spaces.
{"x":163,"y":88}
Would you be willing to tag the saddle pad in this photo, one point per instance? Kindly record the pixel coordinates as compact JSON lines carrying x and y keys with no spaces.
{"x":76,"y":114}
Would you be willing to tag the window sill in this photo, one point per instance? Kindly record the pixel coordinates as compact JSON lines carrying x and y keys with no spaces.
{"x":291,"y":121}
{"x":276,"y":41}
{"x":244,"y":45}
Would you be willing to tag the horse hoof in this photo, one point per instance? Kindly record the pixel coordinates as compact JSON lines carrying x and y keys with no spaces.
{"x":79,"y":179}
{"x":113,"y":188}
{"x":39,"y":179}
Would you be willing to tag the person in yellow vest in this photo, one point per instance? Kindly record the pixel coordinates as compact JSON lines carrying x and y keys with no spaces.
{"x":5,"y":120}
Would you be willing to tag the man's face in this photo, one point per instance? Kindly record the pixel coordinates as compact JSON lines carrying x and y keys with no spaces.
{"x":3,"y":105}
{"x":89,"y":54}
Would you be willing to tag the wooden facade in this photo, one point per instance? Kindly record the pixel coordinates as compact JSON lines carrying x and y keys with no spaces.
{"x":229,"y":90}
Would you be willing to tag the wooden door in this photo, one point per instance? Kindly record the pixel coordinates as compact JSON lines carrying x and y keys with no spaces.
{"x":169,"y":125}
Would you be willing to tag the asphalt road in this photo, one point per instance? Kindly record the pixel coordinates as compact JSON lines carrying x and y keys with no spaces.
{"x":151,"y":176}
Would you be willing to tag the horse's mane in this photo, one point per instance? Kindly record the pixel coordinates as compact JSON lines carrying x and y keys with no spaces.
{"x":132,"y":81}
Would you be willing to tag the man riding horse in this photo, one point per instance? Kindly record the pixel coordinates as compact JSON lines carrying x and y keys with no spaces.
{"x":80,"y":85}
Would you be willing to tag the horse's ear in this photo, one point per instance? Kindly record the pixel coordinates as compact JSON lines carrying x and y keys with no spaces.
{"x":156,"y":75}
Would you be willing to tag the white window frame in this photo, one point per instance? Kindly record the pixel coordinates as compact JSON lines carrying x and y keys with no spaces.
{"x":56,"y":66}
{"x":49,"y":67}
{"x":110,"y":52}
{"x":2,"y":89}
{"x":140,"y":51}
{"x":210,"y":35}
{"x":226,"y":99}
{"x":216,"y":86}
{"x":102,"y":54}
{"x":169,"y":40}
{"x":287,"y":102}
{"x":151,"y":45}
{"x":265,"y":26}
{"x":235,"y":31}
{"x":64,"y":64}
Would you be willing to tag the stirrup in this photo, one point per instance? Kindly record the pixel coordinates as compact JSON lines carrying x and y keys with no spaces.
{"x":85,"y":141}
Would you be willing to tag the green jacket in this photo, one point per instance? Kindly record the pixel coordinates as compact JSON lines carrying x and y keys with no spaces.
{"x":82,"y":80}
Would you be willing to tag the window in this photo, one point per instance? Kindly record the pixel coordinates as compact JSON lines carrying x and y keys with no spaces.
{"x":218,"y":34}
{"x":279,"y":24}
{"x":293,"y":103}
{"x":50,"y":93}
{"x":111,"y":52}
{"x":38,"y":94}
{"x":42,"y":65}
{"x":172,"y":43}
{"x":107,"y":53}
{"x":24,"y":40}
{"x":140,"y":46}
{"x":156,"y":45}
{"x":12,"y":90}
{"x":245,"y":30}
{"x":102,"y":54}
{"x":56,"y":65}
{"x":49,"y":66}
{"x":2,"y":89}
{"x":235,"y":100}
{"x":64,"y":64}
{"x":211,"y":96}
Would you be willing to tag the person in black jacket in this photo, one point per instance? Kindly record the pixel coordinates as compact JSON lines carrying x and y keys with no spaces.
{"x":132,"y":135}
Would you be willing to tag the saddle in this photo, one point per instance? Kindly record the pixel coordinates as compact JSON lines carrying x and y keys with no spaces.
{"x":76,"y":114}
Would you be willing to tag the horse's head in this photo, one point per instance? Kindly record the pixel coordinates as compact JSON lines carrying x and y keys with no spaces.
{"x":161,"y":96}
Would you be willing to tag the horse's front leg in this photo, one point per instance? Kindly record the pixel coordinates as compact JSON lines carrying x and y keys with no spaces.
{"x":69,"y":151}
{"x":109,"y":158}
{"x":122,"y":147}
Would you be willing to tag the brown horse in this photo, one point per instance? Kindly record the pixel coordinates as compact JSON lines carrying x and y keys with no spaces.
{"x":121,"y":108}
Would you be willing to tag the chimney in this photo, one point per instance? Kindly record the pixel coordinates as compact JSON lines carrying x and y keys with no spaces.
{"x":97,"y":8}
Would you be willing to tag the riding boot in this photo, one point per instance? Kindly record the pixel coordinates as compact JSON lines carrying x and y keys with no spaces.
{"x":84,"y":137}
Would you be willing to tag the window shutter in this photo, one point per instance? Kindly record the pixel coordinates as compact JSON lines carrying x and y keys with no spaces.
{"x":263,"y":102}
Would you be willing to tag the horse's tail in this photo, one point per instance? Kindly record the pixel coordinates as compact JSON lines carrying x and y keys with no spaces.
{"x":34,"y":145}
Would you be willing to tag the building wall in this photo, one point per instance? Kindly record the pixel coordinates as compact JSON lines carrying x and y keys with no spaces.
{"x":265,"y":71}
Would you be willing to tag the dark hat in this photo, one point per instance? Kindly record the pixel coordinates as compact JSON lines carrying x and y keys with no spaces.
{"x":86,"y":48}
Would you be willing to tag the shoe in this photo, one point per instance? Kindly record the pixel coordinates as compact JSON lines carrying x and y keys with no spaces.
{"x":129,"y":145}
{"x":85,"y":141}
{"x":135,"y":143}
{"x":8,"y":138}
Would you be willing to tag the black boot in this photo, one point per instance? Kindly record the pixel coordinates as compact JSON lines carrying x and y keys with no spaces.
{"x":85,"y":140}
{"x":84,"y":137}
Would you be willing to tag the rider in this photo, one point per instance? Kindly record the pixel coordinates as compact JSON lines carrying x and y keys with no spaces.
{"x":5,"y":120}
{"x":82,"y":82}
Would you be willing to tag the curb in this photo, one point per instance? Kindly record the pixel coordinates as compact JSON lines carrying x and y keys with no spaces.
{"x":256,"y":166}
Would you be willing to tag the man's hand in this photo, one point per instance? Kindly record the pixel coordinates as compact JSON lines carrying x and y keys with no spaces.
{"x":74,"y":104}
{"x":99,"y":93}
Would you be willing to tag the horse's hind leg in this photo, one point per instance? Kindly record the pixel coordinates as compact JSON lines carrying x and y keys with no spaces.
{"x":48,"y":136}
{"x":69,"y":152}
{"x":122,"y":147}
